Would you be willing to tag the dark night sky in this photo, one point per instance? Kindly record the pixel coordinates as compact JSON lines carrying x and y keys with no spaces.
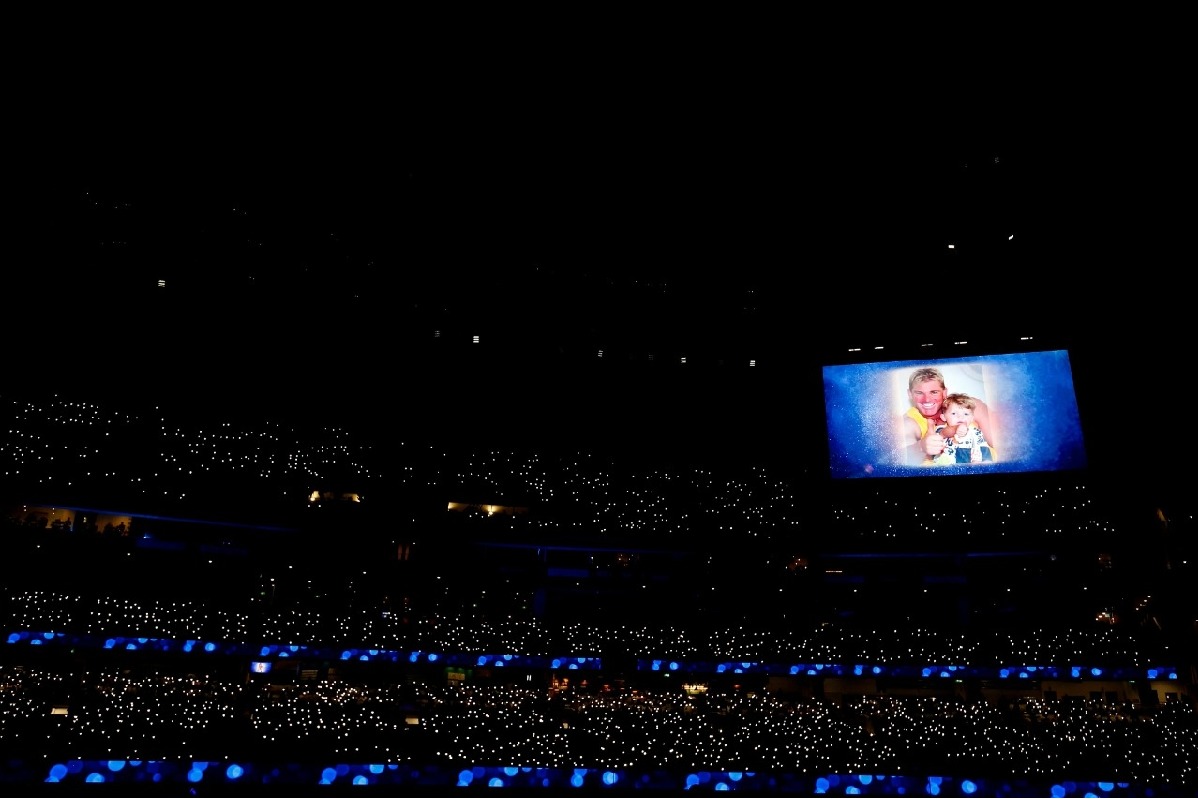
{"x":831,"y":199}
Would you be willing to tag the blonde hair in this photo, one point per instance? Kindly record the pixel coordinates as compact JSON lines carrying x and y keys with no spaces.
{"x":964,"y":400}
{"x":923,"y":375}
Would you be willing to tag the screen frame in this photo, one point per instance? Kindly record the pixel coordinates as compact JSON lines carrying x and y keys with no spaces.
{"x":1029,"y":397}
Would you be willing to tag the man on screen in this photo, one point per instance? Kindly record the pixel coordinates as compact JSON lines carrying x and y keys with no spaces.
{"x":923,"y":421}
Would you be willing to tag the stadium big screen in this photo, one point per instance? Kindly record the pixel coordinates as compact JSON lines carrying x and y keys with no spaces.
{"x":1004,"y":413}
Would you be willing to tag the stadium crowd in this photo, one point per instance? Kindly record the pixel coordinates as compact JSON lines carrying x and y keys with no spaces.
{"x":405,"y":666}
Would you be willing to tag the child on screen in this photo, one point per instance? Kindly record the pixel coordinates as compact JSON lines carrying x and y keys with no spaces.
{"x":964,"y":441}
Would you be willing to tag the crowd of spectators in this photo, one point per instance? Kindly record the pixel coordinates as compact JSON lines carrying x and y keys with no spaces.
{"x":162,"y":459}
{"x":135,"y":714}
{"x":251,"y":587}
{"x":97,"y":615}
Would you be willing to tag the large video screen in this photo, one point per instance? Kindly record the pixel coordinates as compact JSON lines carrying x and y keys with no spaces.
{"x":953,"y":416}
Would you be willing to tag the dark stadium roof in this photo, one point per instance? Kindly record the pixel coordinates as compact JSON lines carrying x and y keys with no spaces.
{"x":327,"y":243}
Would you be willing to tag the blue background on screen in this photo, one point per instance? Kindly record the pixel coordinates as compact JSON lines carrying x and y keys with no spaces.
{"x":1031,"y":397}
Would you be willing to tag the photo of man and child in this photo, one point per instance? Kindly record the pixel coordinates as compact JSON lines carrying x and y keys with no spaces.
{"x":943,"y":428}
{"x":952,"y":416}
